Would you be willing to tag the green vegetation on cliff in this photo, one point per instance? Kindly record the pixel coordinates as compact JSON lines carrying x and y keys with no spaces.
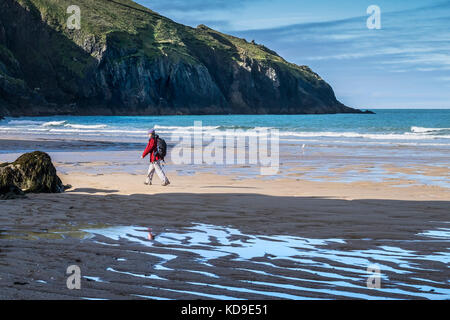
{"x":130,"y":24}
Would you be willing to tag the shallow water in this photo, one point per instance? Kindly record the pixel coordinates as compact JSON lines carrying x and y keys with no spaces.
{"x":440,"y":233}
{"x":281,"y":266}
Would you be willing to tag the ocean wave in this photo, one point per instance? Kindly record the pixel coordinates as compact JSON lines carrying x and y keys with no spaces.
{"x":184,"y":127}
{"x":93,"y":131}
{"x":425,"y":130}
{"x":426,"y":134}
{"x":222,"y":127}
{"x":24,"y":122}
{"x":85,"y":126}
{"x":377,"y":136}
{"x":265,"y":131}
{"x":54,"y":123}
{"x":62,"y":123}
{"x":62,"y":127}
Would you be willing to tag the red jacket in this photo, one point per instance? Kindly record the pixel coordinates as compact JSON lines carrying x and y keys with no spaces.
{"x":151,"y":148}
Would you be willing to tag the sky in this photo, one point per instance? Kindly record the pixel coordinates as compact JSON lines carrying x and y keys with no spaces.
{"x":405,"y":64}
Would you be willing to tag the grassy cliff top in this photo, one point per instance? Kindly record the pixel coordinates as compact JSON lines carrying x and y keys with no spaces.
{"x":144,"y":32}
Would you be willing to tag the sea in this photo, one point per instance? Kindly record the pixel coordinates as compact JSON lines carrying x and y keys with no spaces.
{"x":368,"y":144}
{"x":410,"y":126}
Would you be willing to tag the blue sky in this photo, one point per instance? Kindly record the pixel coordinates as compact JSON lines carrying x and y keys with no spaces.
{"x":405,"y":64}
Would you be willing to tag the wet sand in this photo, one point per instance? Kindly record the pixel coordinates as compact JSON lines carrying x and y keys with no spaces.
{"x":360,"y":224}
{"x":226,"y":237}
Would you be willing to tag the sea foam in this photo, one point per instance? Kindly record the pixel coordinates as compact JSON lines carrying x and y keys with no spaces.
{"x":425,"y":130}
{"x":54,"y":123}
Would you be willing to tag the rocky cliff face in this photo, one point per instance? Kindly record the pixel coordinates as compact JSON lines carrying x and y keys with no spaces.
{"x":127,"y":59}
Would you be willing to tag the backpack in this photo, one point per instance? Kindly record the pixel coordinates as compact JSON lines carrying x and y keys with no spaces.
{"x":161,"y":147}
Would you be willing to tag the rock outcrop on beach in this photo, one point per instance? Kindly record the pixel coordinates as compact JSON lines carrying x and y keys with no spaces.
{"x":127,"y":59}
{"x":31,"y":173}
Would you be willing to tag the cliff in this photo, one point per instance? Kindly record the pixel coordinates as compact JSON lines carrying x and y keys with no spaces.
{"x":128,"y":60}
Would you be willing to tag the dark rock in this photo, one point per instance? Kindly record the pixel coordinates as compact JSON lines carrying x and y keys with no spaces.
{"x":8,"y":189}
{"x":13,"y":193}
{"x":7,"y":175}
{"x":4,"y":164}
{"x":37,"y":173}
{"x":32,"y":173}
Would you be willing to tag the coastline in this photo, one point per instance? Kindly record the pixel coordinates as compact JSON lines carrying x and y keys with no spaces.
{"x":214,"y":234}
{"x":148,"y":154}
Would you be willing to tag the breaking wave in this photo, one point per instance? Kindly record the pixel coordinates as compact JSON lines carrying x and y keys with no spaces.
{"x":54,"y":123}
{"x":427,"y":130}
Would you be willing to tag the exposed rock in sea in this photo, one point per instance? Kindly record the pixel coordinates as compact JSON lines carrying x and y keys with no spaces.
{"x":31,"y":173}
{"x":128,"y":60}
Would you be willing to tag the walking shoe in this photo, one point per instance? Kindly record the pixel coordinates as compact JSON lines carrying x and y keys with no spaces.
{"x":166,"y":183}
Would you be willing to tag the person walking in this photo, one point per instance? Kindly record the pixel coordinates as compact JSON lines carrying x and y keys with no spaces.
{"x":155,"y":158}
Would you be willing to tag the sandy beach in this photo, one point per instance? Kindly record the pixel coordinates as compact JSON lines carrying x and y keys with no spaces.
{"x":224,"y":236}
{"x":298,"y":151}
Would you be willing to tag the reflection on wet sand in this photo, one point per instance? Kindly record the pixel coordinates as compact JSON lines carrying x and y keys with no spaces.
{"x":313,"y":265}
